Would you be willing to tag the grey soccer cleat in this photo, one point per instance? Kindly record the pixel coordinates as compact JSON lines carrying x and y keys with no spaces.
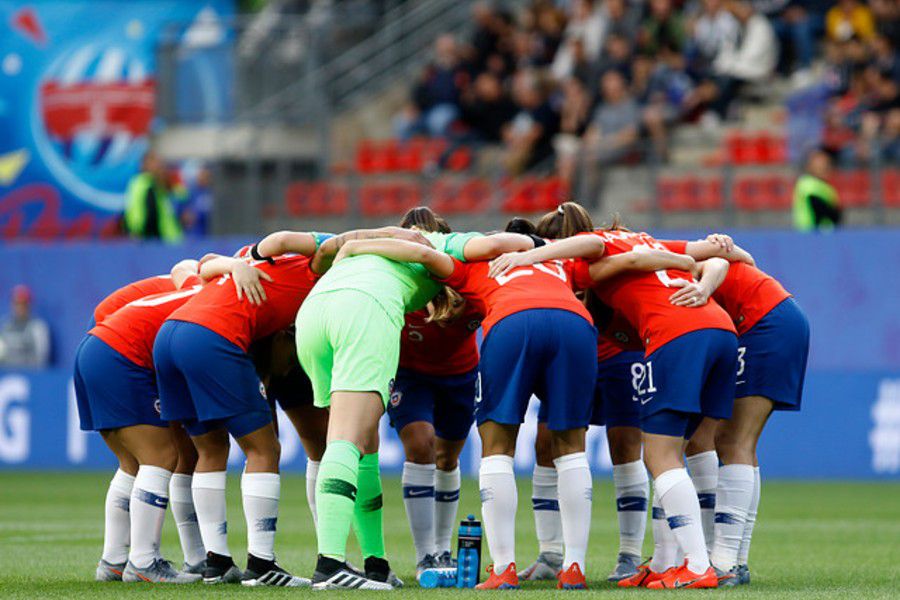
{"x":159,"y":571}
{"x":743,"y":573}
{"x":445,"y":560}
{"x":427,"y":562}
{"x":626,"y":566}
{"x":546,"y":567}
{"x":729,"y":578}
{"x":107,"y":571}
{"x":194,"y":569}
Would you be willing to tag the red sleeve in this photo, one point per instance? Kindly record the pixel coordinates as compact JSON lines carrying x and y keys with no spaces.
{"x":676,"y":246}
{"x":191,"y":281}
{"x":580,"y":274}
{"x":458,"y":277}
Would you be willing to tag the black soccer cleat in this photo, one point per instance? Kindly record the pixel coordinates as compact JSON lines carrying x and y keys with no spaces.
{"x":220,"y":569}
{"x":333,"y":574}
{"x":261,"y":572}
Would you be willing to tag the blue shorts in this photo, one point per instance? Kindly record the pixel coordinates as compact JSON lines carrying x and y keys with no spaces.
{"x":447,"y":402}
{"x":207,"y":382}
{"x":615,"y":399}
{"x":111,"y":391}
{"x":772,"y":357}
{"x":692,"y":374}
{"x":550,"y":353}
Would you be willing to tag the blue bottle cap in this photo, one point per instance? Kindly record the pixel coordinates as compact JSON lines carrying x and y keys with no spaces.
{"x":471,"y":517}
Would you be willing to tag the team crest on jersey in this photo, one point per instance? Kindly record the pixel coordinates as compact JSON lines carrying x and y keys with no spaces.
{"x":474,"y":324}
{"x":622,"y":337}
{"x":262,"y":391}
{"x":157,"y":406}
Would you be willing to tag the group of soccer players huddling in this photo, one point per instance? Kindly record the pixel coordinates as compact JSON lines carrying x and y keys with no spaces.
{"x":681,"y":349}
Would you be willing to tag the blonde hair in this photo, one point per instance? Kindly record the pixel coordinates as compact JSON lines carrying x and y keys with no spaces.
{"x":446,"y":306}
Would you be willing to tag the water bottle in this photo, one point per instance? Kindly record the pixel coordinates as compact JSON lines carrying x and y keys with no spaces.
{"x":468,"y":570}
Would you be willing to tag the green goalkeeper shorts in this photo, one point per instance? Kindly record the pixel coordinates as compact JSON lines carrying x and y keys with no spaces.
{"x":347,"y":343}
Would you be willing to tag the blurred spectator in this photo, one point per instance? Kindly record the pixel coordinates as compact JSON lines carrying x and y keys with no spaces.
{"x":887,"y":18}
{"x":847,"y":19}
{"x":575,"y":116}
{"x":196,"y":212}
{"x":613,"y":133}
{"x":663,"y":28}
{"x":795,"y":23}
{"x":435,"y":98}
{"x":24,"y":338}
{"x":486,"y":109}
{"x":150,"y":212}
{"x":528,"y":138}
{"x":711,"y":31}
{"x":582,"y":39}
{"x":749,"y":59}
{"x":661,"y":89}
{"x":815,"y":200}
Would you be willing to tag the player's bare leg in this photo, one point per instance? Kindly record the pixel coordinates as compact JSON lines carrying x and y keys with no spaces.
{"x":632,"y":497}
{"x":419,"y":441}
{"x":545,"y":506}
{"x":575,"y":501}
{"x":736,"y":441}
{"x":117,"y":520}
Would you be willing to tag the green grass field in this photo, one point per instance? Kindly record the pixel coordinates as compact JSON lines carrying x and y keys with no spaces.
{"x":818,"y":540}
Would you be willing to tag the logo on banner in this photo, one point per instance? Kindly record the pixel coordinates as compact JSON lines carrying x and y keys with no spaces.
{"x":15,"y":420}
{"x":884,"y":438}
{"x":91,"y":120}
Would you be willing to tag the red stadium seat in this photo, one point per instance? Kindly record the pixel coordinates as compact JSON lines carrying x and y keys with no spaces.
{"x":316,"y":198}
{"x":393,"y":198}
{"x":689,"y":193}
{"x":890,"y":187}
{"x":854,"y":188}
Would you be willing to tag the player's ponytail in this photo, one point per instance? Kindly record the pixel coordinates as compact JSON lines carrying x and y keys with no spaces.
{"x":424,"y":219}
{"x":446,"y":306}
{"x":616,"y":224}
{"x":568,"y":219}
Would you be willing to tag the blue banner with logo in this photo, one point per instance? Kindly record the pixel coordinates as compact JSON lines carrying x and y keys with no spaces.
{"x":77,"y":96}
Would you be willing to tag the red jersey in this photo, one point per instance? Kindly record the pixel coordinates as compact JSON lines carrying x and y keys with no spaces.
{"x":217,"y":307}
{"x":440,"y":349}
{"x":618,"y":336}
{"x":544,"y":285}
{"x":132,"y":329}
{"x":643,"y":298}
{"x":748,"y":294}
{"x":131,"y":292}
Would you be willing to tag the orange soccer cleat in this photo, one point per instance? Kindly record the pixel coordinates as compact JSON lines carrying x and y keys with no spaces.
{"x":571,"y":579}
{"x":682,"y":577}
{"x":644,"y":576}
{"x":507,"y":580}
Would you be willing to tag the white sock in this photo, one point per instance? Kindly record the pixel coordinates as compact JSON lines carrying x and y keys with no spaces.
{"x":704,"y":468}
{"x":446,"y":502}
{"x":665,"y":546}
{"x":576,"y":493}
{"x":117,"y":528}
{"x":312,"y":473}
{"x":678,"y":498}
{"x":209,"y":502}
{"x":149,"y":499}
{"x":260,"y":493}
{"x":182,"y":502}
{"x":545,"y":504}
{"x":744,"y":552}
{"x":418,"y":498}
{"x":632,"y":491}
{"x":733,"y":498}
{"x":499,"y":499}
